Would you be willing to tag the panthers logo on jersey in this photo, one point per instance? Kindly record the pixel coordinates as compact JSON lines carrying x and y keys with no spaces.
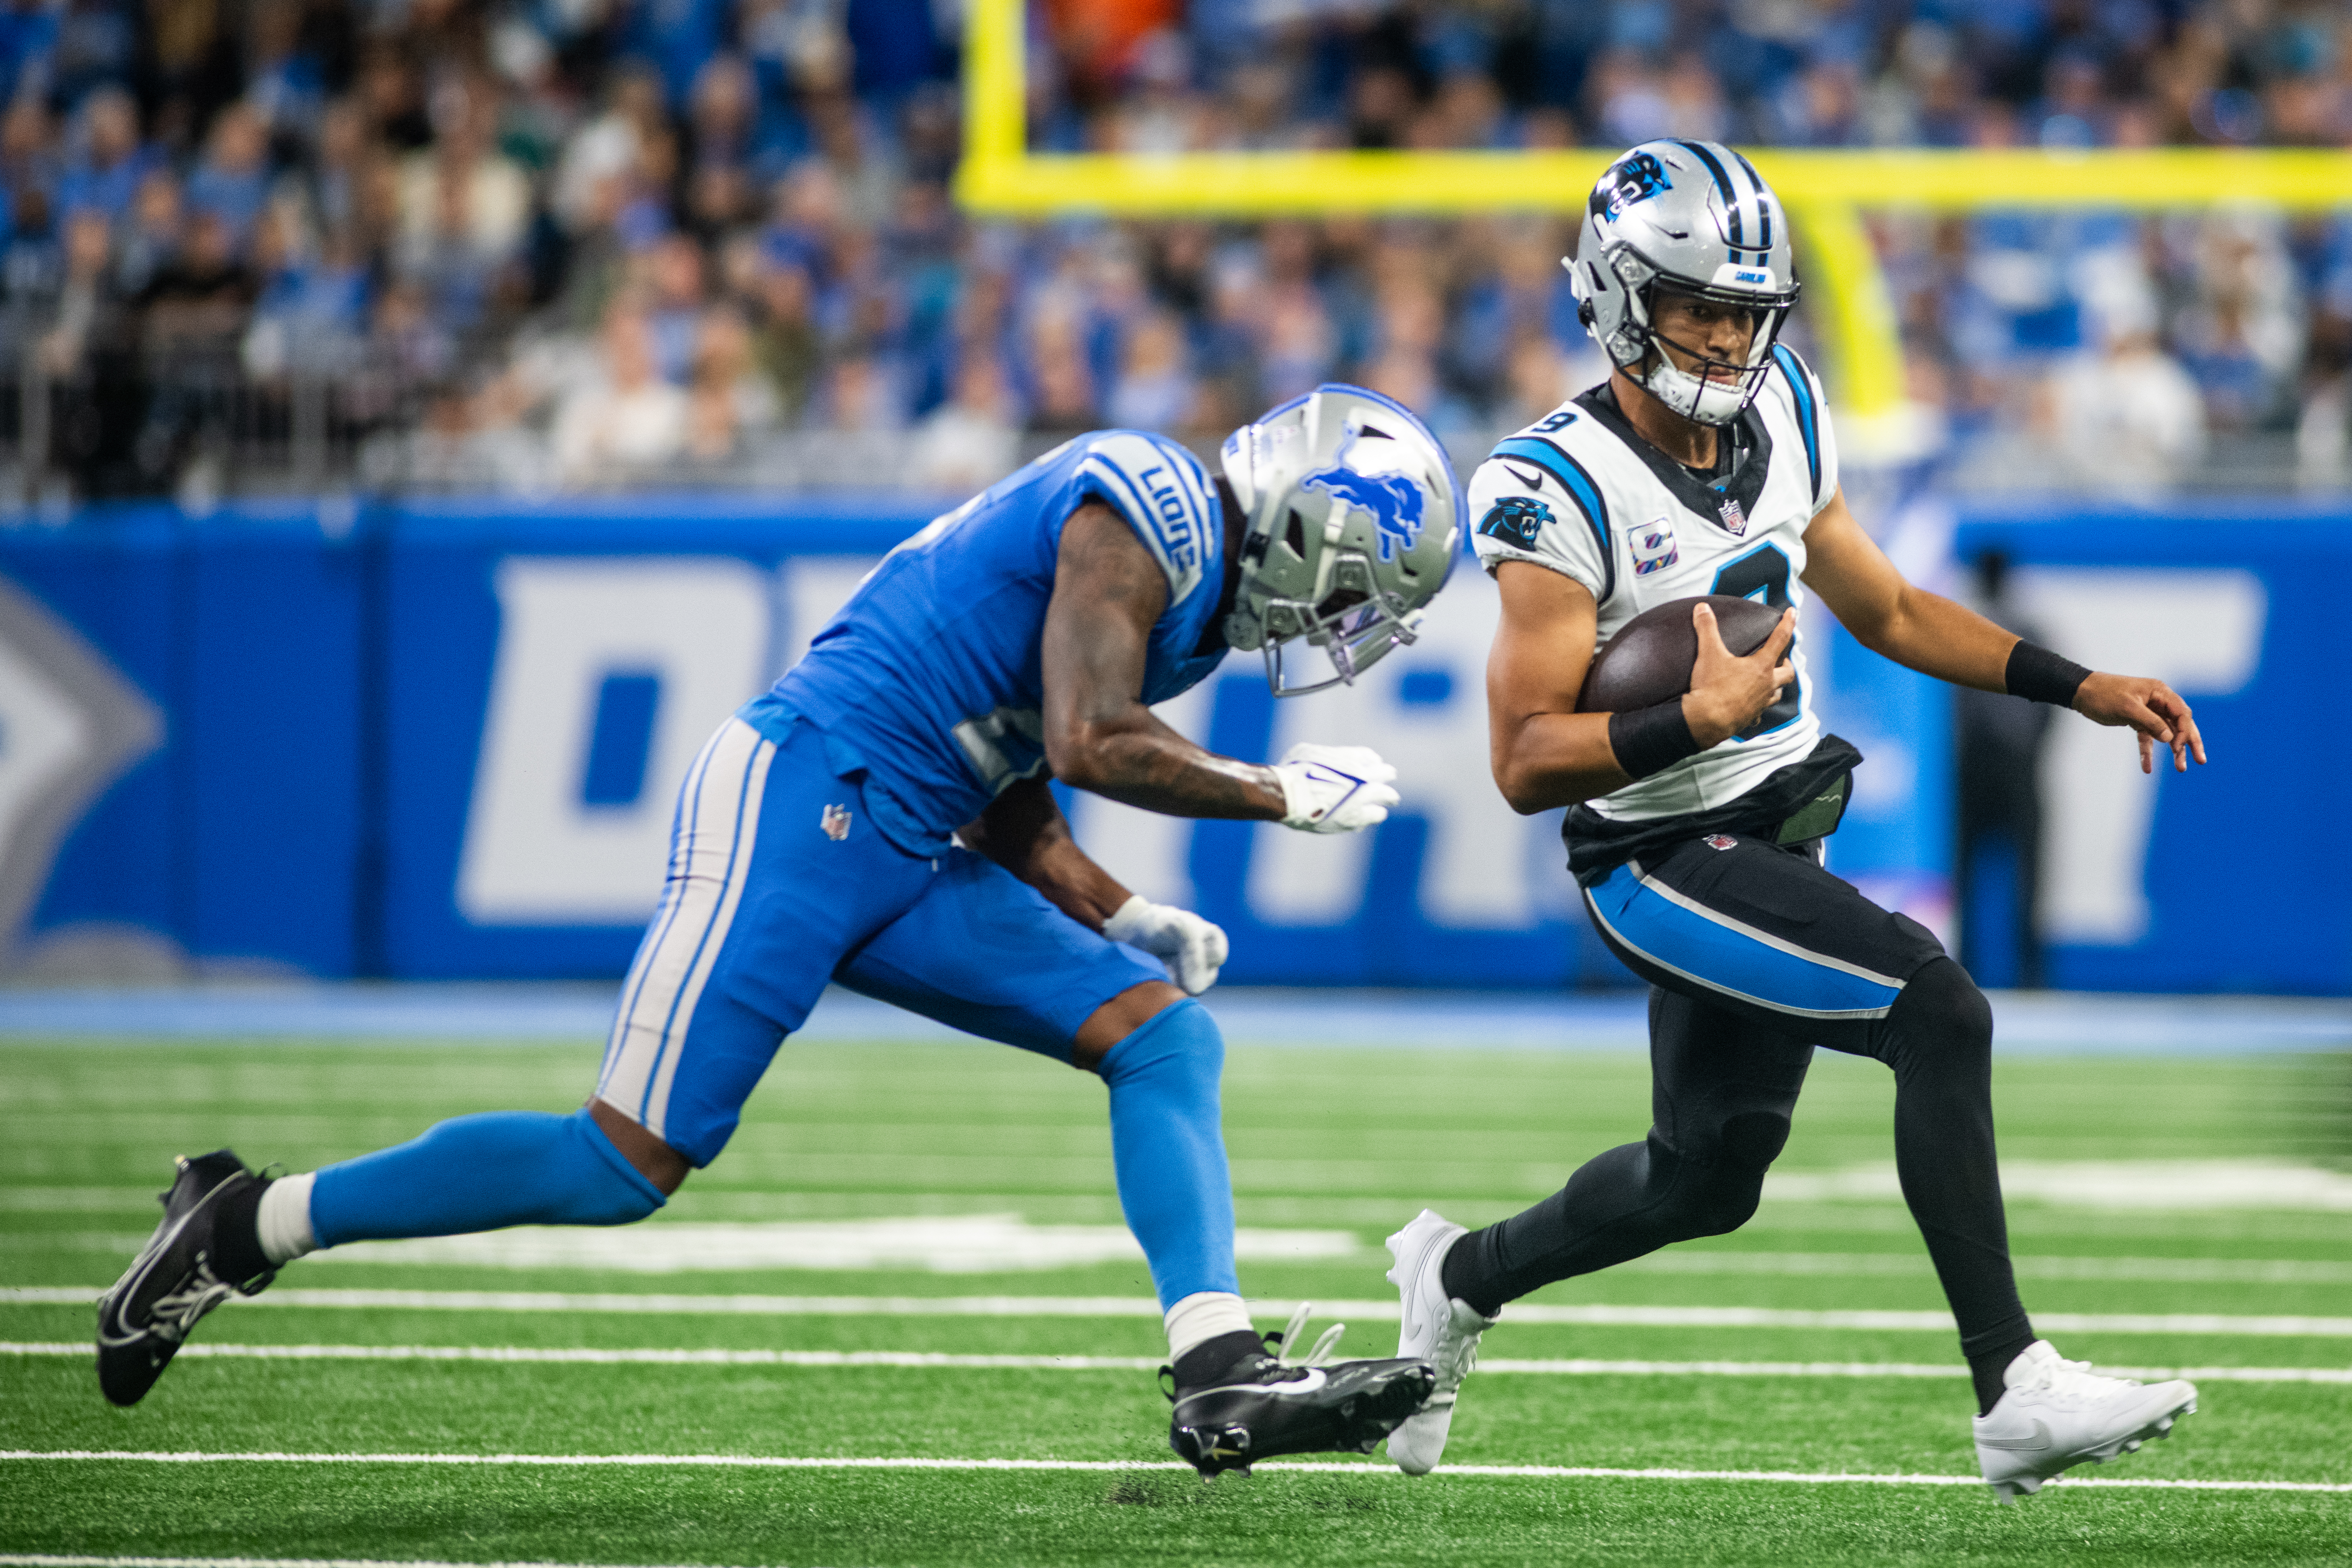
{"x":1516,"y":518}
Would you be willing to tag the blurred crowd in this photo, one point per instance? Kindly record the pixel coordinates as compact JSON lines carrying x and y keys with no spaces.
{"x":585,"y":243}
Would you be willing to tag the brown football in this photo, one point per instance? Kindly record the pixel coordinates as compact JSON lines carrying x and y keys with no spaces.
{"x":1649,"y":661}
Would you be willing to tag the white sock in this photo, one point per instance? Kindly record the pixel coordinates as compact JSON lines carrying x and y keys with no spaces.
{"x":1201,"y":1317}
{"x":284,"y":1219}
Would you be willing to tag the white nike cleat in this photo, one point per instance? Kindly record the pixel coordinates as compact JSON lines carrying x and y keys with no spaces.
{"x":2057,"y":1413}
{"x":1436,"y":1329}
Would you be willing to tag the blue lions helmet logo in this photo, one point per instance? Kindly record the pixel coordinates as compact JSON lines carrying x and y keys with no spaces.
{"x":1394,"y":502}
{"x":1633,"y":179}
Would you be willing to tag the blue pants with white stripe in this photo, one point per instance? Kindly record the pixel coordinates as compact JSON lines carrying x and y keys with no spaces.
{"x":778,"y":883}
{"x":1757,"y":956}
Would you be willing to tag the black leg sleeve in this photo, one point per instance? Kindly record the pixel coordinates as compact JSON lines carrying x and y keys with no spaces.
{"x":1618,"y":1204}
{"x":1723,"y":1088}
{"x":1938,"y":1039}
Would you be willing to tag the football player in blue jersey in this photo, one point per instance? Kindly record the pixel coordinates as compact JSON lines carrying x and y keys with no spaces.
{"x":882,"y":818}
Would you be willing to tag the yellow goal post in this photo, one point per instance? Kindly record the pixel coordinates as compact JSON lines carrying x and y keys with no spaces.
{"x":1826,"y":193}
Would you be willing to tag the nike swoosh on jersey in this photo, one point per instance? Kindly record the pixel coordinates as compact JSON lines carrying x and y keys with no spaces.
{"x":1533,"y":484}
{"x":2040,"y":1440}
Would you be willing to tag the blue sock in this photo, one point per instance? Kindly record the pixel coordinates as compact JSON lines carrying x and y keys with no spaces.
{"x":482,"y":1172}
{"x":1169,"y":1149}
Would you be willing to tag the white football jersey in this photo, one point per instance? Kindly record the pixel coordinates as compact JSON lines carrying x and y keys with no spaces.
{"x":1580,"y":492}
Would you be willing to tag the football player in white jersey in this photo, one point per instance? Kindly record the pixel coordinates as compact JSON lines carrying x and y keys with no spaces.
{"x":1705,"y":465}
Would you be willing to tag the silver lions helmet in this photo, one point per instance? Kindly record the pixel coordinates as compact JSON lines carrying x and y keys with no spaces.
{"x":1353,"y":514}
{"x":1693,"y":218}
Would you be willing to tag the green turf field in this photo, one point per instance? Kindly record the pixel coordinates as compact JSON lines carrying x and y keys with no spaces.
{"x":690,"y":1399}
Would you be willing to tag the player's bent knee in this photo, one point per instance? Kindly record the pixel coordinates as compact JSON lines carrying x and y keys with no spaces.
{"x":1181,"y":1039}
{"x":1942,"y":1002}
{"x":1722,"y":1199}
{"x":481,"y":1173}
{"x":665,"y":1167}
{"x":1107,"y":1026}
{"x":1755,"y":1137}
{"x":584,"y":1179}
{"x":1691,"y":1198}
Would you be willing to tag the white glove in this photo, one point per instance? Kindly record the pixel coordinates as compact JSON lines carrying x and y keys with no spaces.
{"x":1193,"y":949}
{"x":1334,"y":789}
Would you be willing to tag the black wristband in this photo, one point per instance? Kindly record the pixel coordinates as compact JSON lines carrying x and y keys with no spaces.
{"x":1652,"y":740}
{"x":2040,"y":675}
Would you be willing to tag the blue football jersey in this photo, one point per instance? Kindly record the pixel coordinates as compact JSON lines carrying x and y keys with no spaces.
{"x":929,"y":680}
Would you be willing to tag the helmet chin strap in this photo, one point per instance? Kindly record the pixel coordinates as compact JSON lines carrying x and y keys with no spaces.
{"x":1700,"y":399}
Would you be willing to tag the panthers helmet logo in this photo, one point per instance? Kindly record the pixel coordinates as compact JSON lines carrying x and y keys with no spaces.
{"x":1632,"y":179}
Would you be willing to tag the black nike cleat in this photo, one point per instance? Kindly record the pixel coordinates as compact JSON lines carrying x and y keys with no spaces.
{"x":174,"y":1281}
{"x":1265,"y":1406}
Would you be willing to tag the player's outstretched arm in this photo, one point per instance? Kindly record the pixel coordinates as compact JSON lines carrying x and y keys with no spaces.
{"x":1888,"y":615}
{"x":1929,"y":633}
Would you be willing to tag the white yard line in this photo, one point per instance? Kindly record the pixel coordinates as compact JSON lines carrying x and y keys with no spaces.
{"x":936,"y":1243}
{"x":1583,"y":1368}
{"x":1003,"y":1243}
{"x":1577,"y":1367}
{"x":793,"y":1462}
{"x":1374,"y":1311}
{"x":567,"y":1356}
{"x":1000,"y":1242}
{"x":1908,"y":1265}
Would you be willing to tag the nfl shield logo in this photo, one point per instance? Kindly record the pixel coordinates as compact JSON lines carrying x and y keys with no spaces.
{"x":1734,"y":518}
{"x":1720,"y":841}
{"x":835,"y":823}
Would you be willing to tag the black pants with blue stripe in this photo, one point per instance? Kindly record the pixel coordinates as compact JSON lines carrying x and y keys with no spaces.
{"x":1756,"y":955}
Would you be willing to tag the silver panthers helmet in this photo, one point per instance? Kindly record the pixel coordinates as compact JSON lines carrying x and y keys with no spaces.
{"x":1353,"y":514}
{"x":1693,"y":218}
